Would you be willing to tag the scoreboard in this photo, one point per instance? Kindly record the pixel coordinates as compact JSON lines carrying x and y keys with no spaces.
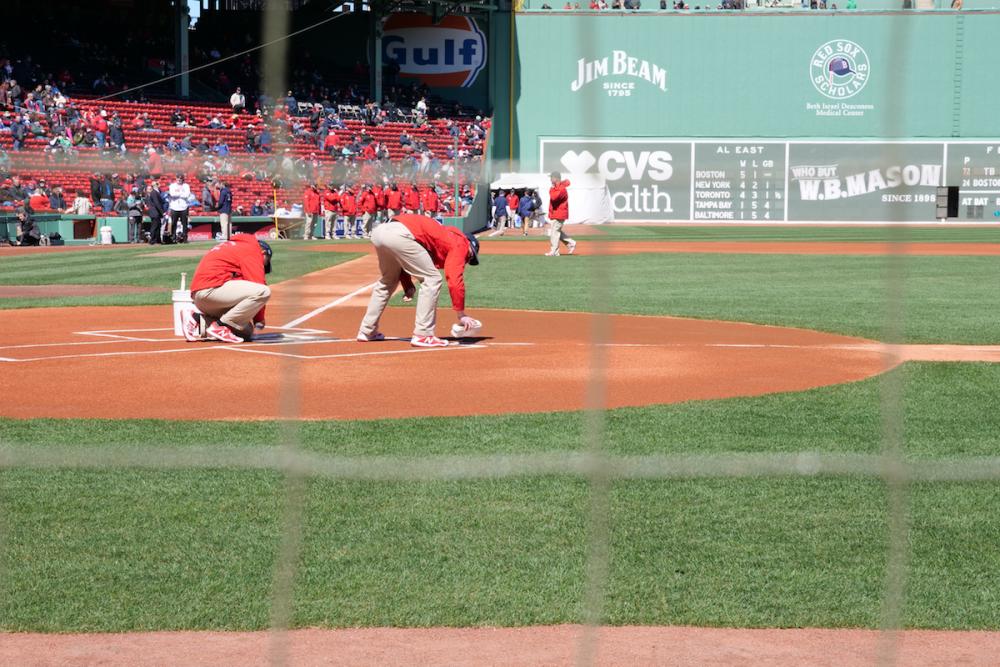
{"x":975,"y":169}
{"x":750,"y":180}
{"x":738,"y":181}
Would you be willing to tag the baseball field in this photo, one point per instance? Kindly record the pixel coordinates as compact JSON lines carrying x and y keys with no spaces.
{"x":681,"y":445}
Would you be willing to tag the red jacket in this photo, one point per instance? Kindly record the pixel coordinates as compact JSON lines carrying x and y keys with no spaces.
{"x":310,"y":202}
{"x":448,"y":249}
{"x":366,"y":203}
{"x":394,"y":200}
{"x":331,"y":201}
{"x":330,"y":141}
{"x":379,"y":197}
{"x":431,"y":201}
{"x":348,"y":204}
{"x":559,"y":201}
{"x":512,"y":201}
{"x":412,"y":200}
{"x":239,"y":259}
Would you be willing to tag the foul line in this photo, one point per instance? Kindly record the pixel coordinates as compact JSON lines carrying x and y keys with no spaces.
{"x":356,"y":354}
{"x":332,"y":304}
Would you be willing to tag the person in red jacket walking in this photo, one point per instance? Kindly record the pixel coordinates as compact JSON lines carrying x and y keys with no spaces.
{"x":349,"y":208}
{"x":415,"y":246}
{"x":331,"y":207}
{"x":411,"y":199}
{"x":311,"y":209}
{"x":229,"y":288}
{"x":558,"y":214}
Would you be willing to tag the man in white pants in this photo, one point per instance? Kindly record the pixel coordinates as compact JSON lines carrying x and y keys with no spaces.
{"x":414,"y":246}
{"x":179,"y":193}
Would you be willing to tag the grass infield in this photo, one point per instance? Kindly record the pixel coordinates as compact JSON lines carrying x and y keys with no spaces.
{"x":124,"y":550}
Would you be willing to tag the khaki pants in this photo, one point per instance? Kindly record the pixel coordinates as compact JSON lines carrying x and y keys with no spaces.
{"x":224,"y":225}
{"x":556,"y":234}
{"x":311,"y":220}
{"x":329,"y":224}
{"x":366,"y":223}
{"x":234,"y":303}
{"x":398,"y":251}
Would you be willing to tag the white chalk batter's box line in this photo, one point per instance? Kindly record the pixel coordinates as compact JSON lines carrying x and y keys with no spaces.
{"x":298,"y":336}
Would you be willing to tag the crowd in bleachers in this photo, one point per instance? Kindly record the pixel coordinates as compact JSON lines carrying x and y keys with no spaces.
{"x":55,"y":149}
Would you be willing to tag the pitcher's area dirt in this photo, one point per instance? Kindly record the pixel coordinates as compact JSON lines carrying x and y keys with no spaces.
{"x":550,"y":646}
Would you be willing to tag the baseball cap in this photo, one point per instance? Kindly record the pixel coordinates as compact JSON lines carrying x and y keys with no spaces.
{"x":474,"y":244}
{"x":266,"y":248}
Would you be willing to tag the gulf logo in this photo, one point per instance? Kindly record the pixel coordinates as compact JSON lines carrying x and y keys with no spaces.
{"x":448,"y":54}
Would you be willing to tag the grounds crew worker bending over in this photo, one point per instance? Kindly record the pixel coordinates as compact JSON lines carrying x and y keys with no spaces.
{"x":417,"y":246}
{"x":230,"y":289}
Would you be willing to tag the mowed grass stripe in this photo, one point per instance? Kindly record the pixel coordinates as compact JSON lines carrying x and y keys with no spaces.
{"x":947,"y":299}
{"x":140,"y":550}
{"x":942,"y":234}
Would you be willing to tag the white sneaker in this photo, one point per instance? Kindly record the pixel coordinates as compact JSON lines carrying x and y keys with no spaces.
{"x":370,"y":338}
{"x":553,"y":253}
{"x":190,"y":325}
{"x":570,"y":247}
{"x":430,"y":341}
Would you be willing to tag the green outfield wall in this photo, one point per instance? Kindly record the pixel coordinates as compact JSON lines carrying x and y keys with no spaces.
{"x":851,"y":117}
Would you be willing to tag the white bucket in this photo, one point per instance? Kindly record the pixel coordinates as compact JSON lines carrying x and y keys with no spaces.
{"x":182,"y":301}
{"x":106,"y":238}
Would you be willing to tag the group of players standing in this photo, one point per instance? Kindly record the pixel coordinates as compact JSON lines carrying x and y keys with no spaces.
{"x":359,"y":208}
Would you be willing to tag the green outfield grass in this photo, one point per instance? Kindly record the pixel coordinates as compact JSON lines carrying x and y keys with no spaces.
{"x":132,"y":550}
{"x":947,"y":299}
{"x":135,"y":266}
{"x":940,"y":234}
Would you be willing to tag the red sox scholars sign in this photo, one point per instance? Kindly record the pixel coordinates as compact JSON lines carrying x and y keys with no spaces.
{"x":449,"y":54}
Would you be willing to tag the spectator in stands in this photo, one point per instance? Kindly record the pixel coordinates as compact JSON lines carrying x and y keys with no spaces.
{"x":330,"y":143}
{"x":179,"y":194}
{"x":106,"y":192}
{"x":291,"y":104}
{"x":257,"y":208}
{"x":19,"y":132}
{"x":116,"y":135}
{"x":633,"y":4}
{"x":81,"y":205}
{"x":177,"y":118}
{"x":56,"y":200}
{"x":225,"y":206}
{"x":237,"y":101}
{"x":154,"y":163}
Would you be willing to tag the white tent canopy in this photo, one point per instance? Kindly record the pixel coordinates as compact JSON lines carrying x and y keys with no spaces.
{"x":589,"y":197}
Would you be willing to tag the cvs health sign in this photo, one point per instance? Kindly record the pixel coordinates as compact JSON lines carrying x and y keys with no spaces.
{"x":448,"y":54}
{"x":649,"y":179}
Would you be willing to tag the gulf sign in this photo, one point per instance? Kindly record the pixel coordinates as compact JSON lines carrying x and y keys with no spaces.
{"x":448,"y":54}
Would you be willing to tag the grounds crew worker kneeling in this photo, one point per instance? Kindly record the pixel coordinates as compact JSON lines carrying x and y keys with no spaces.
{"x":415,"y":246}
{"x":230,"y":289}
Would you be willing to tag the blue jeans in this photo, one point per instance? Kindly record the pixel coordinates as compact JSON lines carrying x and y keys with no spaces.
{"x":99,"y":138}
{"x":106,"y":205}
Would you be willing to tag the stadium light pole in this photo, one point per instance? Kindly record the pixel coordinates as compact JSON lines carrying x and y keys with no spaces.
{"x":454,"y":158}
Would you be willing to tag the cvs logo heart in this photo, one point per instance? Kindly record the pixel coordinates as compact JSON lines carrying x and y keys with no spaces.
{"x":578,"y":163}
